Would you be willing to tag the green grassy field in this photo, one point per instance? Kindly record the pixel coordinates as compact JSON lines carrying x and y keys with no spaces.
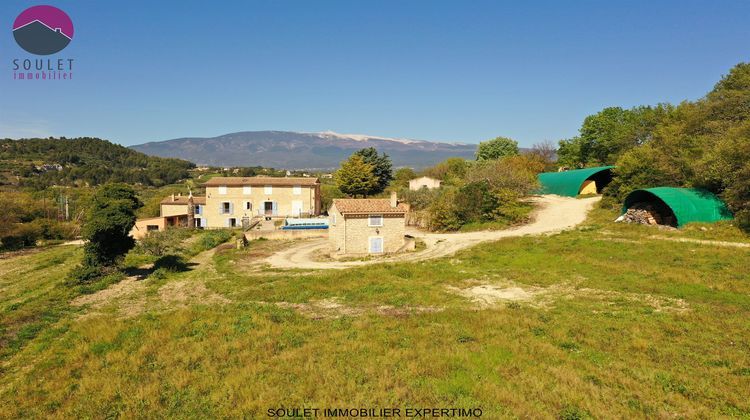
{"x":606,"y":321}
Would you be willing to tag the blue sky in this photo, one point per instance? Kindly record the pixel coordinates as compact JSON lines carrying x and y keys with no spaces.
{"x":433,"y":70}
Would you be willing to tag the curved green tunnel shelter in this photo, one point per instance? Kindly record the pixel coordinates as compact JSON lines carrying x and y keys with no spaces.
{"x":568,"y":183}
{"x":687,"y":204}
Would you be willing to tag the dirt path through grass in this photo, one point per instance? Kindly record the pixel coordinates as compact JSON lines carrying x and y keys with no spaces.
{"x":129,"y":299}
{"x":552,"y":215}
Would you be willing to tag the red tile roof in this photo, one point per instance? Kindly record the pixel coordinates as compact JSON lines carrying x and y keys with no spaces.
{"x":368,"y":206}
{"x":183,"y":199}
{"x":236,"y":181}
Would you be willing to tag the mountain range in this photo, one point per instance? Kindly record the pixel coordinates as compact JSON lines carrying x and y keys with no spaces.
{"x":293,"y":150}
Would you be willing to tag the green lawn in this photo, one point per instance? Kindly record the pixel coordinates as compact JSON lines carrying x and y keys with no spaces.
{"x":630,"y":326}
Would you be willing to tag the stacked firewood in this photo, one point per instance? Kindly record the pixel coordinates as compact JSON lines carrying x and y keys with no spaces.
{"x":640,"y":216}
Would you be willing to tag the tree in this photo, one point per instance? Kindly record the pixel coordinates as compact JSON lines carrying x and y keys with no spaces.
{"x":545,"y":152}
{"x":451,"y":171}
{"x":356,"y":177}
{"x":109,"y":220}
{"x":608,"y":134}
{"x":497,"y":148}
{"x":381,"y":168}
{"x":403,"y":176}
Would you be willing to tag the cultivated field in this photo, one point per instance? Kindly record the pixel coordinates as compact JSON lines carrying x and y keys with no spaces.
{"x":603,"y":320}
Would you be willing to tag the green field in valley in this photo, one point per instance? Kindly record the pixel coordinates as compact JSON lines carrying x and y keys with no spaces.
{"x":604,"y":320}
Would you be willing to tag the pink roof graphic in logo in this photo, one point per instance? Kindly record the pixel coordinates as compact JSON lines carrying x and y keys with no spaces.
{"x":43,"y":30}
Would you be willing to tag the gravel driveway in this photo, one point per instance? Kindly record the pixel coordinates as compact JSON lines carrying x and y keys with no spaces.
{"x":552,"y":215}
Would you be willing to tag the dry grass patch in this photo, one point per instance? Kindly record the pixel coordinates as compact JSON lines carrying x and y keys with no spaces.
{"x":332,"y":308}
{"x":186,"y":292}
{"x":485,"y":296}
{"x":127,"y":297}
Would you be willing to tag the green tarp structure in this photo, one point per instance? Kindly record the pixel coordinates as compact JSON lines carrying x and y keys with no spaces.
{"x":568,"y":183}
{"x":687,"y":204}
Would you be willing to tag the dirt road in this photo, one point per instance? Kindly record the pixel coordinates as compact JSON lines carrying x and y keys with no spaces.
{"x":553,"y":214}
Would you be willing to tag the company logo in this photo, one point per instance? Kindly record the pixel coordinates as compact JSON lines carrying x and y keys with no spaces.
{"x":43,"y":30}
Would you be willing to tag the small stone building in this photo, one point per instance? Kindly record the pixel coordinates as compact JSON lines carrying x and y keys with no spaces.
{"x":367,"y":225}
{"x":424,"y":182}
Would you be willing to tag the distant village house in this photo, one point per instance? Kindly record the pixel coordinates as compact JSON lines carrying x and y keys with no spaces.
{"x":424,"y":182}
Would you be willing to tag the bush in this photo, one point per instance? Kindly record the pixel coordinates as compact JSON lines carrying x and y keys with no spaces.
{"x":53,"y":229}
{"x":443,"y":212}
{"x":84,"y":273}
{"x":171,"y":263}
{"x":211,"y":239}
{"x":158,"y":243}
{"x":22,"y":235}
{"x":420,"y":199}
{"x":489,"y":191}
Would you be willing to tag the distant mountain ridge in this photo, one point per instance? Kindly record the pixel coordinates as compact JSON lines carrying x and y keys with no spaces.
{"x":295,"y":150}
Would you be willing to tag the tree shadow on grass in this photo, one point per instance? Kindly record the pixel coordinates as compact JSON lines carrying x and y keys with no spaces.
{"x":175,"y":263}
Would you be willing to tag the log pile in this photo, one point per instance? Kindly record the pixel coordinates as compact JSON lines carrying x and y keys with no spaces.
{"x":640,"y":216}
{"x":648,"y":214}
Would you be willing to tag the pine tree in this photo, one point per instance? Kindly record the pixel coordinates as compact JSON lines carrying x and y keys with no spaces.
{"x":356,"y":177}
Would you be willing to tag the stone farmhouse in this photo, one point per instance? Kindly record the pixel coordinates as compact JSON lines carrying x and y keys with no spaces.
{"x":367,"y":226}
{"x":234,"y":202}
{"x":230,"y":200}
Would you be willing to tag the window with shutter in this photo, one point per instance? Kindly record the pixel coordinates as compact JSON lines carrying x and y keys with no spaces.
{"x":297,"y":190}
{"x":223,"y":189}
{"x":268,"y":189}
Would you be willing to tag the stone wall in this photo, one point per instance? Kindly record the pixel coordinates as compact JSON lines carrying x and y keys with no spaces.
{"x":353,"y":235}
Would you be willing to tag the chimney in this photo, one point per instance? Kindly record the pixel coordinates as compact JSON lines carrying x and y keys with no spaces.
{"x":394,"y":200}
{"x":58,"y":30}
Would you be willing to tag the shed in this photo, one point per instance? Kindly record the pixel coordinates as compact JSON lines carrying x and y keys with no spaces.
{"x":367,"y":225}
{"x":686,"y":204}
{"x":577,"y":181}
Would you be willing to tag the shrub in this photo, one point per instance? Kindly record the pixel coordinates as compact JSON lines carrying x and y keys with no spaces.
{"x":84,"y":273}
{"x":171,"y":263}
{"x":419,"y":199}
{"x":158,"y":243}
{"x":443,"y":212}
{"x":211,"y":239}
{"x":22,"y":235}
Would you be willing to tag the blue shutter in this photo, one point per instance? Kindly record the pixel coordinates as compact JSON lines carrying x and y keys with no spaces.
{"x":275,"y":208}
{"x":231,"y":208}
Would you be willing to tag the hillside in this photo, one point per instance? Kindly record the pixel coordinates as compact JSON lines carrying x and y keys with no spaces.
{"x":43,"y":162}
{"x":292,"y":150}
{"x":607,"y":320}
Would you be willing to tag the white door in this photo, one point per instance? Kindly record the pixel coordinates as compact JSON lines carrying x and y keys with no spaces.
{"x":296,"y":208}
{"x":376,"y":245}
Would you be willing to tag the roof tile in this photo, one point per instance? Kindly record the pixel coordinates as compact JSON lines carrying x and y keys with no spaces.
{"x":236,"y":181}
{"x":368,"y":205}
